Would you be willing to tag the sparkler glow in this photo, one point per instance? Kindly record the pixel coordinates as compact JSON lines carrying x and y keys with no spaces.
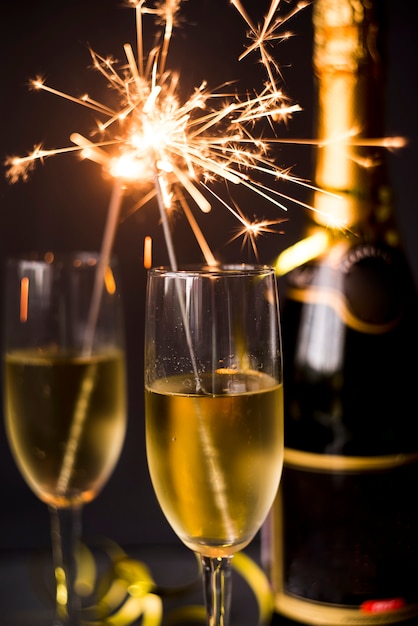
{"x":175,"y":149}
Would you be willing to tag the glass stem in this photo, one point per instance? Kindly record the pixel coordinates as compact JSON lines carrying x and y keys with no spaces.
{"x":217,"y":589}
{"x":65,"y":534}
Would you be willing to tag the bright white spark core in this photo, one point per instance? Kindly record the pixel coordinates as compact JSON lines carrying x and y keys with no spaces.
{"x":174,"y":149}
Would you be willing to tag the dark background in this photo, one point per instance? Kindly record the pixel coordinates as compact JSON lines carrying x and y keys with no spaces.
{"x":63,"y":205}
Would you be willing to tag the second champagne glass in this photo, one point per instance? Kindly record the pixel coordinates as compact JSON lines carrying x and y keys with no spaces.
{"x":214,"y":410}
{"x":65,"y":396}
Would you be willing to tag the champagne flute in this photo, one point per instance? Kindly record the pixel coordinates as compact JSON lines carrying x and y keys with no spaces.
{"x":214,"y":410}
{"x":65,"y":396}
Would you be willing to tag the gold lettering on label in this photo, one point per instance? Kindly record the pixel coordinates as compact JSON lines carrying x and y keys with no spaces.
{"x":335,"y":300}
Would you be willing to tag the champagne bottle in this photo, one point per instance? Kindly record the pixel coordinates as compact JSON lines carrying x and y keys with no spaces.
{"x":341,"y":543}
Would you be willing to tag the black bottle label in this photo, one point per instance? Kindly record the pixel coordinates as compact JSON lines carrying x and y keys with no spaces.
{"x":360,"y":284}
{"x":350,"y":341}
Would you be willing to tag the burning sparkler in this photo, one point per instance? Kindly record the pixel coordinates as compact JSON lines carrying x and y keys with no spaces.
{"x":175,"y":149}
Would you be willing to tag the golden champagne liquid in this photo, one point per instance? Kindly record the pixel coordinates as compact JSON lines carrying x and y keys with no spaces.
{"x":215,"y":458}
{"x":66,"y":419}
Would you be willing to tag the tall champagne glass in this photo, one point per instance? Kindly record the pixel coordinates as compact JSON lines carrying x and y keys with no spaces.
{"x":65,"y":397}
{"x":214,"y":410}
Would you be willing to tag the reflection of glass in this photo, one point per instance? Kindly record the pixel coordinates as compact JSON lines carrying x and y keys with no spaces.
{"x":214,"y":410}
{"x":64,"y":392}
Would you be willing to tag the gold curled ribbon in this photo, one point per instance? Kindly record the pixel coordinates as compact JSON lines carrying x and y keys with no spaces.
{"x":258,"y":583}
{"x":127,"y":592}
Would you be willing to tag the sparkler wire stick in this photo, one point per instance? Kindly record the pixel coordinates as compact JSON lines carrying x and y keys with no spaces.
{"x":206,"y":251}
{"x":210,"y":455}
{"x":104,"y":260}
{"x":166,"y":228}
{"x":87,"y":386}
{"x":174,"y":267}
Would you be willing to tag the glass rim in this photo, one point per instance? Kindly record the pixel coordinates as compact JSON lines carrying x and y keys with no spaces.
{"x":227,"y":269}
{"x":78,"y":258}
